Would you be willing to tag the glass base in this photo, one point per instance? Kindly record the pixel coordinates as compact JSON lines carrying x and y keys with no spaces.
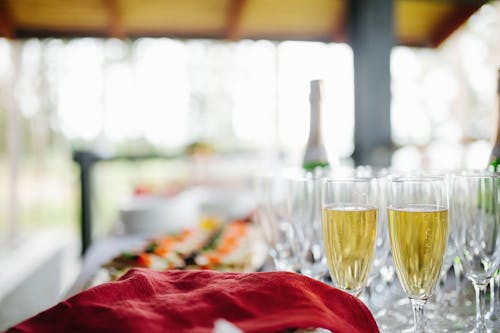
{"x":457,"y":316}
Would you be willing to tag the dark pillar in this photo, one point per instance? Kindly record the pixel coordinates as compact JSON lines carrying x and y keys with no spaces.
{"x":86,"y":161}
{"x":371,"y":35}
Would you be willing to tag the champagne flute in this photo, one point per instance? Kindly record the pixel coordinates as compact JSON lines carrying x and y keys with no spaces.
{"x":304,"y":213}
{"x":382,"y":242}
{"x":476,"y":210}
{"x":418,"y":230}
{"x":278,"y":231}
{"x":349,"y":223}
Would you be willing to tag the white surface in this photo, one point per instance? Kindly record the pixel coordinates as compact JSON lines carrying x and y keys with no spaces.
{"x":35,"y":273}
{"x":223,"y":326}
{"x":101,"y":251}
{"x":223,"y":203}
{"x":153,"y":215}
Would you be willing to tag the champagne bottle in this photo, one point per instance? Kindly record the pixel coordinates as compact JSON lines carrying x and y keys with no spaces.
{"x":494,"y":162}
{"x":315,"y":154}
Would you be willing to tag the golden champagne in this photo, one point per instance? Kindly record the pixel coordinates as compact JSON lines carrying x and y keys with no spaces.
{"x":349,"y":236}
{"x":419,"y":235}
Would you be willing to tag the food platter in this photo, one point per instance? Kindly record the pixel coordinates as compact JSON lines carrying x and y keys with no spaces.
{"x":236,"y":245}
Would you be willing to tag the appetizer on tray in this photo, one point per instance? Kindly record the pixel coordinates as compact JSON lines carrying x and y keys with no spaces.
{"x":212,"y":244}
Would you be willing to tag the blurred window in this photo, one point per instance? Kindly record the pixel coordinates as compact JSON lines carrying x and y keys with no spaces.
{"x":163,"y":94}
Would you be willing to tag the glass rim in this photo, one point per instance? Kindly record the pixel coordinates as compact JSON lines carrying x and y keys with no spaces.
{"x":348,"y":179}
{"x":417,"y":179}
{"x":298,"y":179}
{"x":475,"y":174}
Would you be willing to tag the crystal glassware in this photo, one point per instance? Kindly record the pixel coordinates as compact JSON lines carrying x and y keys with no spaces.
{"x":277,"y":229}
{"x":304,"y":213}
{"x":350,"y":223}
{"x":418,"y":229}
{"x":475,"y":201}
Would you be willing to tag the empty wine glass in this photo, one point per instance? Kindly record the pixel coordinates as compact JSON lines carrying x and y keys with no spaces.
{"x":382,"y":247}
{"x":418,"y":230}
{"x":350,"y":222}
{"x":272,"y":216}
{"x":475,"y":206}
{"x":304,"y":212}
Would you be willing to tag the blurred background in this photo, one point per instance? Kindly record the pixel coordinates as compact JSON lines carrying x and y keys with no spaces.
{"x":212,"y":92}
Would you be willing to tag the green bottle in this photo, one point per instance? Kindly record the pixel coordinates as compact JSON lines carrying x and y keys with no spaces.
{"x":315,"y":153}
{"x":494,"y":161}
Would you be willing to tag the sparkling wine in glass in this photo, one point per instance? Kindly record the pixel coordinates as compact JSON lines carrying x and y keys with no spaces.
{"x":418,"y":230}
{"x":349,"y":223}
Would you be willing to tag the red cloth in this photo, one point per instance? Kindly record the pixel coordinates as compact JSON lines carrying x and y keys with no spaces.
{"x":190,"y":301}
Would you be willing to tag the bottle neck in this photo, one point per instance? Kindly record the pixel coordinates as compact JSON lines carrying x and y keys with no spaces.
{"x":315,"y":153}
{"x":496,"y":143}
{"x":495,"y":152}
{"x":497,"y":138}
{"x":315,"y":137}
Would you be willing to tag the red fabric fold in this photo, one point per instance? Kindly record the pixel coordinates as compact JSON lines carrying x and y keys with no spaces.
{"x":190,"y":301}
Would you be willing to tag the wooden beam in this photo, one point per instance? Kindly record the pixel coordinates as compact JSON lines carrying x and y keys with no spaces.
{"x":338,"y":30}
{"x":447,"y":27}
{"x":456,"y":2}
{"x":233,"y":30}
{"x":115,"y":26}
{"x":413,"y":42}
{"x":6,"y":26}
{"x":218,"y":34}
{"x":78,"y":32}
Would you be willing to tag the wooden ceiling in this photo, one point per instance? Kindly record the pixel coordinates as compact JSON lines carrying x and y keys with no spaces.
{"x":417,"y":22}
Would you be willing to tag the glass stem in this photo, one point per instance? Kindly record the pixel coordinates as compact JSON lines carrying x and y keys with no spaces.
{"x":496,"y":295}
{"x":368,"y":292}
{"x":457,"y":271}
{"x":491,"y":313}
{"x":480,"y":288}
{"x":418,"y":314}
{"x":437,"y":290}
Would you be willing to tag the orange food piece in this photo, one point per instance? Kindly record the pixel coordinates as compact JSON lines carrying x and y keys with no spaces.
{"x":144,"y":260}
{"x":214,"y":259}
{"x":238,"y":229}
{"x":232,"y":236}
{"x":161,"y":250}
{"x":205,"y":267}
{"x":167,"y":242}
{"x":229,"y":243}
{"x":185,"y":234}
